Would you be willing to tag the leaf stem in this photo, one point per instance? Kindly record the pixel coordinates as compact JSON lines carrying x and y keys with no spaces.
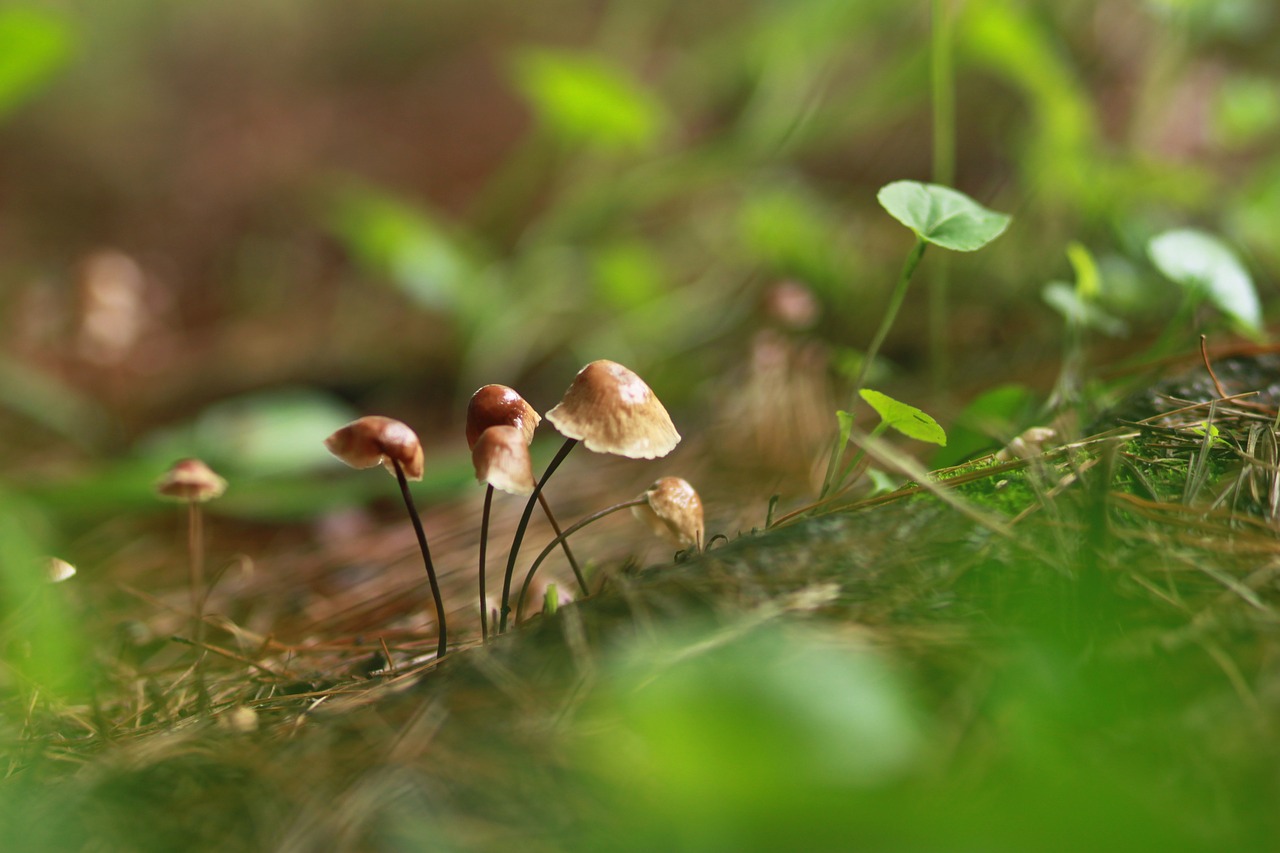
{"x":891,"y":313}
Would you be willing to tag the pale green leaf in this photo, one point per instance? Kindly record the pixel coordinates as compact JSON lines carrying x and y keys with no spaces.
{"x":907,"y":420}
{"x":1204,"y":265}
{"x":941,"y":215}
{"x":586,"y":99}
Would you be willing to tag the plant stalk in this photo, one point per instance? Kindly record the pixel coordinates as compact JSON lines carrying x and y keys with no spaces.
{"x":942,"y":75}
{"x":891,"y":313}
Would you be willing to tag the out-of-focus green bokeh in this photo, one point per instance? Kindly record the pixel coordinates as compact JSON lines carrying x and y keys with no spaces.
{"x":226,"y":228}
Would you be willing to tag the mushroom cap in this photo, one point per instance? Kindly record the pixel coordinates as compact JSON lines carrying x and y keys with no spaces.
{"x":673,"y":510}
{"x":498,"y":405}
{"x":501,"y":459}
{"x":190,"y":480}
{"x":375,"y":439}
{"x":611,"y":410}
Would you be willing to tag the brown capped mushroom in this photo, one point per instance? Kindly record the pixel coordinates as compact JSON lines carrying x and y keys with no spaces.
{"x":611,"y":410}
{"x":377,"y":440}
{"x":190,"y":481}
{"x":501,"y":459}
{"x":374,"y":440}
{"x":193,"y":482}
{"x":498,"y":405}
{"x":673,"y":510}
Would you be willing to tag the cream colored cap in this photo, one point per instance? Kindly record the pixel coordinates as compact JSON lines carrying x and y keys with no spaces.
{"x":501,"y":459}
{"x":673,"y":510}
{"x":611,"y":410}
{"x":190,"y":480}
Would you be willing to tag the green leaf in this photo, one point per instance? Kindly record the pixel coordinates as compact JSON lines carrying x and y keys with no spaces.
{"x":1206,"y":267}
{"x":585,"y":99}
{"x":1068,"y":302}
{"x":907,"y":420}
{"x":941,"y":215}
{"x":33,"y":46}
{"x":1088,"y":280}
{"x":396,"y":239}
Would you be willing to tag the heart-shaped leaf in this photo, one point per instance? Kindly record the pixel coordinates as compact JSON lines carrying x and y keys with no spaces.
{"x":1204,"y":265}
{"x":907,"y":420}
{"x":941,"y":215}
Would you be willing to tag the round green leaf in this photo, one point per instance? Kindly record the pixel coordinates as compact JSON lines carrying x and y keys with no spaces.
{"x":941,"y":215}
{"x":1204,"y":265}
{"x":907,"y":420}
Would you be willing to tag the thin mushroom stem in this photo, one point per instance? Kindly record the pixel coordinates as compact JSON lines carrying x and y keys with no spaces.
{"x":522,"y":526}
{"x":426,"y":554}
{"x":564,"y":543}
{"x":484,"y":543}
{"x":551,"y":546}
{"x":195,"y":554}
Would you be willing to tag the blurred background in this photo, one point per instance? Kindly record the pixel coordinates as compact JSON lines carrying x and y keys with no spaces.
{"x":228,"y":228}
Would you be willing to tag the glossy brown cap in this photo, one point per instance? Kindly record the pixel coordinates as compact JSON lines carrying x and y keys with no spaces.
{"x":190,"y":480}
{"x":498,"y":405}
{"x":374,"y":440}
{"x":611,"y":410}
{"x":501,"y":459}
{"x":673,"y":510}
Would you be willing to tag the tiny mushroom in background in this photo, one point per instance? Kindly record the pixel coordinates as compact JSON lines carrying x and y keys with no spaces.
{"x":193,"y":482}
{"x":1029,"y":443}
{"x":374,"y":440}
{"x":58,"y":570}
{"x":610,"y":410}
{"x":673,"y":510}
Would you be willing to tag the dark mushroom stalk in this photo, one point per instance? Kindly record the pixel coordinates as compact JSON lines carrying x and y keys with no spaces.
{"x":670,"y":508}
{"x":193,"y":482}
{"x":498,"y":405}
{"x":374,"y":440}
{"x":501,"y":459}
{"x":611,"y":410}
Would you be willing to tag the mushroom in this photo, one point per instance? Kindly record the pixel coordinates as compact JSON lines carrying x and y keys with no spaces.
{"x":374,"y":440}
{"x":498,"y":405}
{"x":192,"y":482}
{"x":611,"y":410}
{"x":501,"y":458}
{"x":671,"y":503}
{"x":673,"y":510}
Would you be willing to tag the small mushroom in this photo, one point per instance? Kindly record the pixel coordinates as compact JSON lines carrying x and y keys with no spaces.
{"x":611,"y":410}
{"x":670,"y":507}
{"x":190,"y":481}
{"x":374,"y":440}
{"x":377,"y":440}
{"x":194,"y":483}
{"x":501,"y":459}
{"x":498,"y":405}
{"x":673,"y":510}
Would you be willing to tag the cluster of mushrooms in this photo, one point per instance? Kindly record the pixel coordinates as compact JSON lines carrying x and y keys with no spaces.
{"x":608,"y":408}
